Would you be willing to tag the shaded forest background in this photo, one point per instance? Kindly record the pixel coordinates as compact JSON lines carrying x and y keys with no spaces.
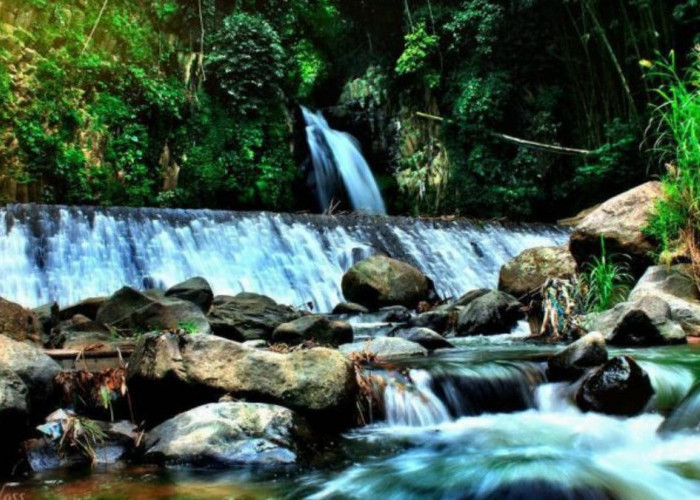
{"x":194,"y":103}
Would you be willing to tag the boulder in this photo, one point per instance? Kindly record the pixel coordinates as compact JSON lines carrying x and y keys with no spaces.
{"x":14,"y":416}
{"x":383,"y":348}
{"x":170,"y":373}
{"x":248,"y":316}
{"x":78,"y":330}
{"x":196,"y":290}
{"x":318,"y":329}
{"x":619,"y":221}
{"x":492,"y":313}
{"x":524,"y":275}
{"x":229,"y":434}
{"x":426,"y":337}
{"x":48,"y":316}
{"x":131,"y":310}
{"x":676,"y":286}
{"x":645,"y":322}
{"x":381,"y":281}
{"x":619,"y":387}
{"x":686,"y":416}
{"x":87,"y":308}
{"x":572,"y":361}
{"x":350,"y":308}
{"x":395,"y":314}
{"x":19,"y":323}
{"x":34,"y":368}
{"x":470,"y":297}
{"x":439,"y":321}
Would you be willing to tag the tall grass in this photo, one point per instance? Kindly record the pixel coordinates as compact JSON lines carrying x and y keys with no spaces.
{"x":676,"y":218}
{"x":606,"y":281}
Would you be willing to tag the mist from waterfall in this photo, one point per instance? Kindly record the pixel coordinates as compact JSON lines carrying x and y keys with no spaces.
{"x":338,"y":162}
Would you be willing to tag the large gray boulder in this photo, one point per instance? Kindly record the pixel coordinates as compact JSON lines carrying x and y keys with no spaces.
{"x":319,"y":329}
{"x":36,"y":370}
{"x":14,"y":416}
{"x":620,"y":222}
{"x":196,"y":290}
{"x":248,"y":316}
{"x":381,"y":281}
{"x":131,"y":310}
{"x":524,"y":275}
{"x":229,"y":434}
{"x":384,"y":348}
{"x":676,"y":286}
{"x":489,"y":314}
{"x":646,"y":321}
{"x":170,"y":373}
{"x":87,"y":307}
{"x":620,"y":387}
{"x":572,"y":361}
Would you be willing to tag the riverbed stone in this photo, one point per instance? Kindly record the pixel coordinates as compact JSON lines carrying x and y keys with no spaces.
{"x":170,"y":373}
{"x":439,"y":321}
{"x":381,"y":281}
{"x":319,"y":329}
{"x":619,"y":387}
{"x":676,"y":286}
{"x":645,"y":322}
{"x":87,"y":307}
{"x":19,"y":323}
{"x":350,"y":308}
{"x":492,"y":313}
{"x":248,"y":316}
{"x":383,"y":348}
{"x":470,"y":297}
{"x":133,"y":311}
{"x":36,"y":370}
{"x":196,"y":290}
{"x":229,"y":434}
{"x":620,"y":222}
{"x":426,"y":337}
{"x":524,"y":275}
{"x":572,"y":361}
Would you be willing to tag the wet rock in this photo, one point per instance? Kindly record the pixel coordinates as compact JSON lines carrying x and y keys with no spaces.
{"x":426,"y":337}
{"x":48,"y":315}
{"x":116,"y":442}
{"x":19,"y":323}
{"x":524,"y":275}
{"x":646,"y":322}
{"x":350,"y":308}
{"x":77,"y":333}
{"x":87,"y":307}
{"x":171,"y":373}
{"x":34,"y":368}
{"x":572,"y":361}
{"x":676,"y":286}
{"x":381,"y":281}
{"x":395,"y":314}
{"x":229,"y":434}
{"x":686,"y":416}
{"x":471,"y":296}
{"x":619,"y":221}
{"x":14,"y":417}
{"x":256,"y":344}
{"x":439,"y":321}
{"x":384,"y":348}
{"x":196,"y":290}
{"x":318,"y":329}
{"x":131,"y":310}
{"x":491,"y":313}
{"x":619,"y":387}
{"x":248,"y":316}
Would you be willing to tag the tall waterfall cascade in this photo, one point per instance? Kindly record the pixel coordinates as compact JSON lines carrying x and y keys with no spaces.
{"x":338,"y":161}
{"x":66,"y":254}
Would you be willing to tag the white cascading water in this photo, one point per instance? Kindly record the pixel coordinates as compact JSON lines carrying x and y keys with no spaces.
{"x":67,"y":254}
{"x":337,"y":159}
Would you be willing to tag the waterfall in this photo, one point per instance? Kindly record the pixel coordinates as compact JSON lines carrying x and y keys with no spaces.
{"x":70,"y":253}
{"x":337,"y":160}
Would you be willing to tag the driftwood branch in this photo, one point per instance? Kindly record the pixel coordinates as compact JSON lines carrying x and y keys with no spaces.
{"x":94,"y":27}
{"x":520,"y":142}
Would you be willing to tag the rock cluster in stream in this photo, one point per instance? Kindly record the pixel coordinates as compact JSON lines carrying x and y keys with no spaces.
{"x":244,"y":380}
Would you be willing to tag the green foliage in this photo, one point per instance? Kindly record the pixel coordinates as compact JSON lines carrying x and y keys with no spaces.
{"x":247,"y":60}
{"x":420,"y":47}
{"x":606,"y":281}
{"x":675,"y":222}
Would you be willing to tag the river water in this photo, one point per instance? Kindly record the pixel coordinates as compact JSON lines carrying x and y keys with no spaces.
{"x":477,"y":422}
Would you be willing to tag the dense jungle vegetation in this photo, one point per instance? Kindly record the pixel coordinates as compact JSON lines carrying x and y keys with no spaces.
{"x":194,"y":103}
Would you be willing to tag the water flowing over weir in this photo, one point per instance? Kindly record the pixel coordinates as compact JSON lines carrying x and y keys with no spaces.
{"x":70,"y":253}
